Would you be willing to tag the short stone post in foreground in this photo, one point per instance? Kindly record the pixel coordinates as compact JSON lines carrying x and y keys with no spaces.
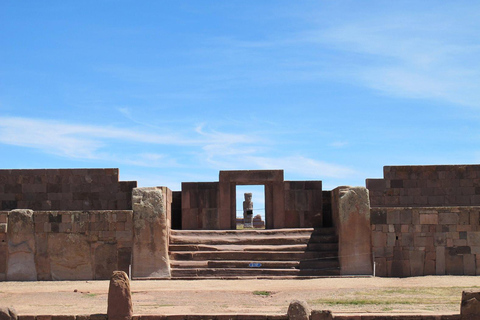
{"x":119,"y":297}
{"x":8,"y":314}
{"x":470,"y":307}
{"x":298,"y":310}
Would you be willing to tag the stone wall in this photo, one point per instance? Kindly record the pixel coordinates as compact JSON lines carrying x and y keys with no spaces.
{"x":200,"y":206}
{"x":415,"y":241}
{"x":69,"y":245}
{"x":426,"y":186}
{"x":303,"y":204}
{"x":64,"y":189}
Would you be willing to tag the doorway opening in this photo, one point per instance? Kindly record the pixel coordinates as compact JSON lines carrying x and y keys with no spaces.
{"x":258,"y":213}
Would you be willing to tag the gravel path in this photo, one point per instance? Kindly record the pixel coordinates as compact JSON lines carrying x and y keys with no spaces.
{"x":426,"y":295}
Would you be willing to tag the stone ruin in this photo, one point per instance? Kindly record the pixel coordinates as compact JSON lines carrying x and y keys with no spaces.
{"x":72,"y":224}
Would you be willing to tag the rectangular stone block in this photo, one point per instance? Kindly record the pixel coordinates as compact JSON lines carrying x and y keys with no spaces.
{"x":378,"y":216}
{"x":469,"y":265}
{"x":440,"y":261}
{"x":379,"y":239}
{"x":431,"y":218}
{"x":473,"y":238}
{"x":454,"y":264}
{"x":429,"y":268}
{"x":447,"y":218}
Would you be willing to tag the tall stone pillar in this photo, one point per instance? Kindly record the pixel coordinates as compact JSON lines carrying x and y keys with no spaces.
{"x":351,"y":219}
{"x":150,"y":234}
{"x":21,"y":246}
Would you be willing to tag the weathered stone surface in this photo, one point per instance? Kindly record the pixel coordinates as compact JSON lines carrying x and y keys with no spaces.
{"x":119,"y":297}
{"x":105,"y":260}
{"x":321,"y":315}
{"x":351,"y":217}
{"x":70,"y":257}
{"x":8,"y":313}
{"x":150,"y":240}
{"x":470,"y":307}
{"x":21,"y":246}
{"x":298,"y":310}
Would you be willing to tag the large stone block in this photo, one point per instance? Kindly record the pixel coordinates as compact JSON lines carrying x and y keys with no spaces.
{"x":21,"y":246}
{"x":150,"y":240}
{"x":351,"y":216}
{"x":106,"y":258}
{"x":70,"y":257}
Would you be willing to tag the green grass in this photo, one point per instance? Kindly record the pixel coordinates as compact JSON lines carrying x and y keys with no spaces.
{"x":428,"y":296}
{"x":90,"y":295}
{"x":262,"y":293}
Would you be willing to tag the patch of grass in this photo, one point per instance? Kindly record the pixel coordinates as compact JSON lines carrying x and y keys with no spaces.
{"x":426,"y":296}
{"x":262,"y":293}
{"x":90,"y":295}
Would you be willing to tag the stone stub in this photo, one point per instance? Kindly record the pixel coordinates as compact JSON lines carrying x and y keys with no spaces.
{"x":150,"y":234}
{"x":21,"y":246}
{"x":119,"y":297}
{"x":470,"y":307}
{"x":298,"y":310}
{"x":321,"y":315}
{"x":8,"y":313}
{"x":351,"y":218}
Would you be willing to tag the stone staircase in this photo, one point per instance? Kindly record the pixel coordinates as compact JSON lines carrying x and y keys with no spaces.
{"x":265,"y":254}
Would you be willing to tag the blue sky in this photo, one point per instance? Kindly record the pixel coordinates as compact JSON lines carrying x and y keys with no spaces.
{"x":172,"y":91}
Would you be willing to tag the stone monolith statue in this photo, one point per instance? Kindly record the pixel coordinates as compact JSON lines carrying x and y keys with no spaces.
{"x":248,"y":211}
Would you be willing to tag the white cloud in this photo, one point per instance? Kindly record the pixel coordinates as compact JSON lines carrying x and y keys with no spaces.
{"x":415,"y":55}
{"x":211,"y":149}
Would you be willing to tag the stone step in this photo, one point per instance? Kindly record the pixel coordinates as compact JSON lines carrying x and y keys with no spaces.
{"x":328,"y":263}
{"x":246,"y":232}
{"x":254,"y":256}
{"x":236,"y":247}
{"x":273,"y":240}
{"x":222,"y":272}
{"x":266,"y":254}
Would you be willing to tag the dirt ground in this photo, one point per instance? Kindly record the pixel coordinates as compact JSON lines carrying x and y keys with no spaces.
{"x":417,"y":295}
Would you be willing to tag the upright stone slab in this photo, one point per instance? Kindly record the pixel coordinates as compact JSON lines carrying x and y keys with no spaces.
{"x":351,"y":218}
{"x":150,"y":239}
{"x":21,"y":246}
{"x":119,"y":297}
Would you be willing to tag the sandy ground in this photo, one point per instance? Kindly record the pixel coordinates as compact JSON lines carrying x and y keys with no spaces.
{"x":425,"y":295}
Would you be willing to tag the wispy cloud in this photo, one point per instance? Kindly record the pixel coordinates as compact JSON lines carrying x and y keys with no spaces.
{"x":210,"y":148}
{"x":414,"y":55}
{"x":74,"y":140}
